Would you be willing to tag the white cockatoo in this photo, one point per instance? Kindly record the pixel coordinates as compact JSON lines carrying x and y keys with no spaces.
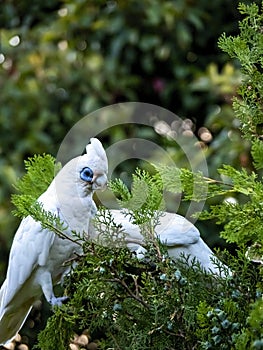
{"x":37,"y":255}
{"x":178,"y":234}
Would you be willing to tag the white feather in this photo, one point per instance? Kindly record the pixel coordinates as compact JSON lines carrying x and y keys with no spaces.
{"x":177,"y":233}
{"x":37,"y":255}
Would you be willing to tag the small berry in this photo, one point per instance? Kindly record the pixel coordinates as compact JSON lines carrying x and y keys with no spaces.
{"x":215,"y":330}
{"x":117,"y":307}
{"x":207,"y":345}
{"x":235,"y":326}
{"x":217,"y":311}
{"x":163,"y":277}
{"x":210,"y":314}
{"x":217,"y":339}
{"x":169,"y":326}
{"x":221,"y":315}
{"x":183,"y":281}
{"x":177,"y":275}
{"x":258,"y":344}
{"x":236,"y":294}
{"x":225,"y":324}
{"x":258,"y":294}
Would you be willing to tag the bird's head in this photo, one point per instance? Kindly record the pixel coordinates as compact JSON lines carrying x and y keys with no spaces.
{"x":74,"y":185}
{"x":92,"y":166}
{"x":84,"y":174}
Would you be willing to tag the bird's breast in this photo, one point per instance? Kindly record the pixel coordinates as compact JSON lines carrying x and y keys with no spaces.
{"x":61,"y":251}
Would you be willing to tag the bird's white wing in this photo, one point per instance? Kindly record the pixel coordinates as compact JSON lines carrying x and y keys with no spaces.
{"x":175,"y":230}
{"x":133,"y":236}
{"x":30,"y":248}
{"x":172,"y":230}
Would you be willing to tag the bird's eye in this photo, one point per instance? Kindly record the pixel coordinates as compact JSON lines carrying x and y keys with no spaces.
{"x":86,"y":174}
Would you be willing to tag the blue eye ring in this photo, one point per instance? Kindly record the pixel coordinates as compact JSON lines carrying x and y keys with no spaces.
{"x":86,"y":174}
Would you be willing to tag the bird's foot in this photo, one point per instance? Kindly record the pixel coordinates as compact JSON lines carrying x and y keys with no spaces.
{"x":58,"y":301}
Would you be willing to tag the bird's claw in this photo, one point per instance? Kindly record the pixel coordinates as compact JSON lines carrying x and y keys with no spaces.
{"x":58,"y":301}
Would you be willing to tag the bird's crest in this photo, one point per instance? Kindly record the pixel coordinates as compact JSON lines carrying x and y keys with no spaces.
{"x":96,"y":146}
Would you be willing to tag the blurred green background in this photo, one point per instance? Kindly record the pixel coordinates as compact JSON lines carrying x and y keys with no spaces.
{"x":60,"y":60}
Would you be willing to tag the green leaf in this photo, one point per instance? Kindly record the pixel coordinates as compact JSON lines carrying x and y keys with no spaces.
{"x":257,"y":153}
{"x":40,"y":171}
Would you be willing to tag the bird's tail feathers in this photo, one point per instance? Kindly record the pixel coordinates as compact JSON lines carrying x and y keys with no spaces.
{"x":12,"y":320}
{"x":2,"y":291}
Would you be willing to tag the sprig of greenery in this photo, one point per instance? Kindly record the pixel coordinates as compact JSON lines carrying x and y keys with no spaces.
{"x":109,"y":232}
{"x":40,"y":171}
{"x":257,"y":154}
{"x":247,"y":47}
{"x":145,"y":197}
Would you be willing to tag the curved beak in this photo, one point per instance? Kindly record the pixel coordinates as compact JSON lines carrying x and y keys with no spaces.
{"x":99,"y":182}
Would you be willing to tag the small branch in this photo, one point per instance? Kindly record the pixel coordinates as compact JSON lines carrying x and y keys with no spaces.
{"x":74,"y":258}
{"x":149,"y":235}
{"x":213,"y":181}
{"x":174,"y":334}
{"x":115,"y":341}
{"x":136,"y":285}
{"x":60,"y":233}
{"x":161,"y":328}
{"x":134,"y":296}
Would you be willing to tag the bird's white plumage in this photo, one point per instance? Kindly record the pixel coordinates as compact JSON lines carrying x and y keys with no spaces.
{"x":37,"y":255}
{"x":175,"y":232}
